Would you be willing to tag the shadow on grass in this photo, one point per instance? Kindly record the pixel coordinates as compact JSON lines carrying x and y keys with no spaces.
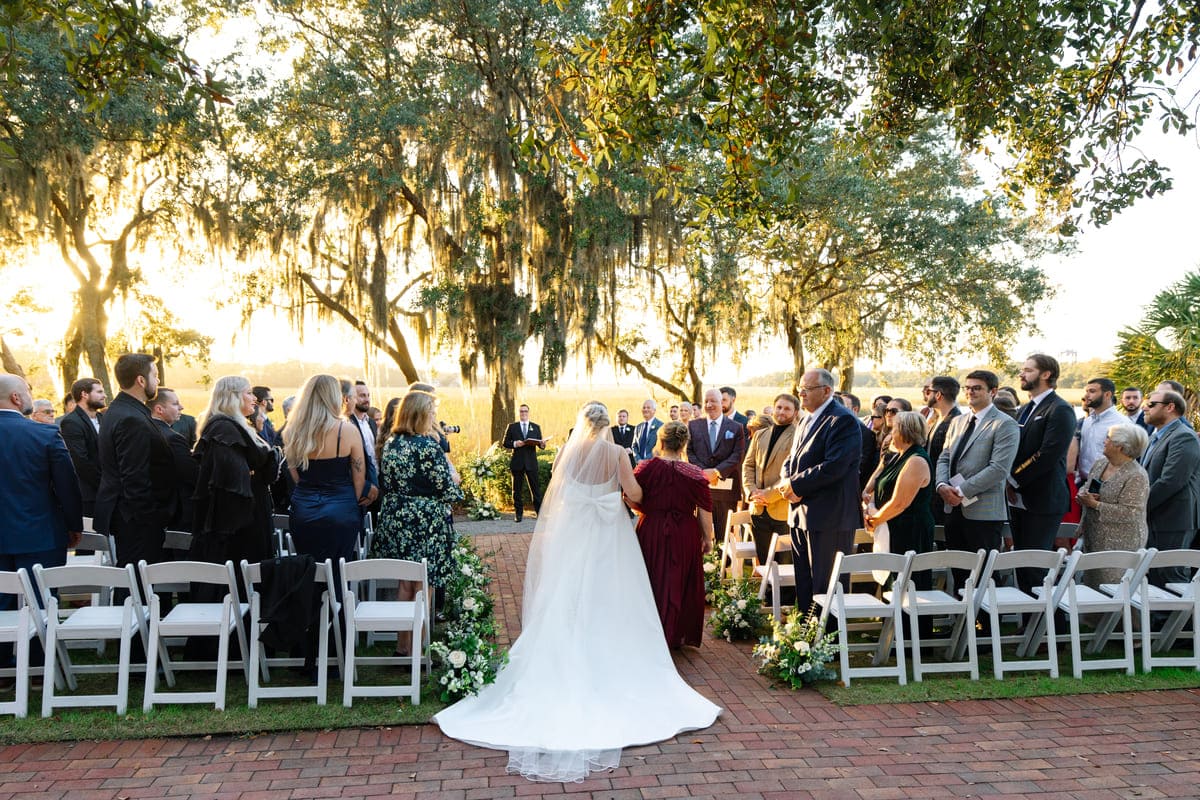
{"x":71,"y":724}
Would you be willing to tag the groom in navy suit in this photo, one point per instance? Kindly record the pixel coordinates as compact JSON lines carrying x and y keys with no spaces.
{"x":820,"y":480}
{"x":40,"y":502}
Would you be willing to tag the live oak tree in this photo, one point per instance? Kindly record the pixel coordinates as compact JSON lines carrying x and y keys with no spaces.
{"x":95,"y":182}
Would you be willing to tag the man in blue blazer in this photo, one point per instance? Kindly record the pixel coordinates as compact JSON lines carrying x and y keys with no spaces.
{"x":645,"y":436}
{"x":820,"y":480}
{"x":40,"y":502}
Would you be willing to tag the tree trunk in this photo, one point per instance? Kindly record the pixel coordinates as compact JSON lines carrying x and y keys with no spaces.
{"x":9,"y":360}
{"x":86,"y":336}
{"x":796,"y":346}
{"x":846,"y":379}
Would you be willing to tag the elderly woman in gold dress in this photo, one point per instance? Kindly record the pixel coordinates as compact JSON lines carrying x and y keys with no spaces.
{"x":1114,"y":498}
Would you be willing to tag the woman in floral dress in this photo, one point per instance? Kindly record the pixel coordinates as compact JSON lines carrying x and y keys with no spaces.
{"x":418,"y":485}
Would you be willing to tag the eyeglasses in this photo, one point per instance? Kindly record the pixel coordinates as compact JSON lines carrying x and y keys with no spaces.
{"x":804,"y":389}
{"x":892,"y":411}
{"x":973,"y":388}
{"x":1154,"y":403}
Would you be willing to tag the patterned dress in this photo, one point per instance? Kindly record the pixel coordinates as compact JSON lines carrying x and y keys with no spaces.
{"x":414,"y":522}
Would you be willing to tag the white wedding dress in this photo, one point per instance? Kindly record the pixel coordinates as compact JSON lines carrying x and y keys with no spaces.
{"x":591,"y":672}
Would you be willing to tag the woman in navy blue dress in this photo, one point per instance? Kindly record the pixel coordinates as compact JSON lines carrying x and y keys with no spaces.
{"x":325,"y":456}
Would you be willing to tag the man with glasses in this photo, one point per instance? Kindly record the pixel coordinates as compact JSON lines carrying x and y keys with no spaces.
{"x":1172,"y":462}
{"x":972,"y":468}
{"x":43,"y":412}
{"x":820,"y":481}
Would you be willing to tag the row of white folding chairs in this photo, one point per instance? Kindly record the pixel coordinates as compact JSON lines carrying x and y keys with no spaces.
{"x":194,"y":619}
{"x":1061,"y":589}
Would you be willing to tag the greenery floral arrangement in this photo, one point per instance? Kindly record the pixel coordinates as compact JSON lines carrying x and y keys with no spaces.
{"x":798,"y":650}
{"x":482,"y":509}
{"x":486,"y":479}
{"x":464,"y":653}
{"x":737,"y":612}
{"x":712,"y":573}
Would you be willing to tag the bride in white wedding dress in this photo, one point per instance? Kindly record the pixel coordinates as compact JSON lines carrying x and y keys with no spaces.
{"x":591,"y":672}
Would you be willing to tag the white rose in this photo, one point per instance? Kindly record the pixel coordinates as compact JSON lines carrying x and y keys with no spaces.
{"x":457,"y":658}
{"x":741,"y":604}
{"x":469,"y":604}
{"x":466,"y":569}
{"x":710,"y":566}
{"x":802,"y":647}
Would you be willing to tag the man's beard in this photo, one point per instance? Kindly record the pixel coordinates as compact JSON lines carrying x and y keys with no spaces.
{"x":95,"y":405}
{"x":362,"y":408}
{"x":1026,"y":386}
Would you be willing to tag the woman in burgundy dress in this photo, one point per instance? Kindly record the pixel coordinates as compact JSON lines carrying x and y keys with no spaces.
{"x":675,"y":531}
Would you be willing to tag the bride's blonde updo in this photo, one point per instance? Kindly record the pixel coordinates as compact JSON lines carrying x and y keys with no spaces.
{"x":596,"y":415}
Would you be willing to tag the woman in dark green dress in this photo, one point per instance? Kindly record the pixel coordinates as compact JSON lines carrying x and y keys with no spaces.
{"x":904,"y":490}
{"x":418,"y":486}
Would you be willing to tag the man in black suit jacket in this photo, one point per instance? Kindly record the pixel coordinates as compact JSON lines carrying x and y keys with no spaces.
{"x":165,"y":409}
{"x":728,"y":406}
{"x":185,"y":426}
{"x":80,"y":430}
{"x":622,"y":433}
{"x":137,"y":472}
{"x":1037,"y":487}
{"x":717,"y":445}
{"x":524,"y":439}
{"x":944,"y":402}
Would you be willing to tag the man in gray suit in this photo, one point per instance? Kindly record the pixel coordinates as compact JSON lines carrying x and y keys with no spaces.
{"x":974,"y":465}
{"x":1172,"y":460}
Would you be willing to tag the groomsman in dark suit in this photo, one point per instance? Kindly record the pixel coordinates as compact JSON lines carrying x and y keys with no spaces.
{"x":137,"y":472}
{"x":81,"y":432}
{"x":944,"y":405}
{"x":820,"y":481}
{"x":728,"y":403}
{"x":165,"y":409}
{"x":717,"y":444}
{"x":645,"y":436}
{"x":524,"y":439}
{"x":622,"y":432}
{"x":1037,"y":488}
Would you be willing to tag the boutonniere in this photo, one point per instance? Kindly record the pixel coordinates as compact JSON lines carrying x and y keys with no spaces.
{"x":728,"y":434}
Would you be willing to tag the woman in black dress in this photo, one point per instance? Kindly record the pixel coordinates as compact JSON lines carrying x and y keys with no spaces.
{"x":903,"y":490}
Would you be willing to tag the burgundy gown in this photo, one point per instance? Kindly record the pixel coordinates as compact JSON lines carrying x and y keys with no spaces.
{"x":671,"y":542}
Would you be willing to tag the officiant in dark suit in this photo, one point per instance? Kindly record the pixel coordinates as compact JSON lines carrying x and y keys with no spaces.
{"x":524,"y":439}
{"x":81,"y":431}
{"x":622,"y":433}
{"x":716,"y":444}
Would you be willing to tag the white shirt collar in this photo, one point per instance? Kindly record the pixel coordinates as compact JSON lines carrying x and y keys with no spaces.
{"x":1037,"y":398}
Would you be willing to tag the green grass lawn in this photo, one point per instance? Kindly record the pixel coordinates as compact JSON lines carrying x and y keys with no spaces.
{"x":237,"y":718}
{"x":1035,"y":683}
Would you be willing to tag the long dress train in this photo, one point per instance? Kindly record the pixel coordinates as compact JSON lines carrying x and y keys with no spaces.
{"x":591,"y":672}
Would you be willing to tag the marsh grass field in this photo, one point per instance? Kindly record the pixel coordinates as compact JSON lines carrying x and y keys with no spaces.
{"x":553,"y":408}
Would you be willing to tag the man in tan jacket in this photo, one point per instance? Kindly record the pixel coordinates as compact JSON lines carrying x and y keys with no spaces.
{"x":765,"y":457}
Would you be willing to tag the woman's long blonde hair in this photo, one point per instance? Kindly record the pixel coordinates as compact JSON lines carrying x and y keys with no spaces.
{"x":226,"y":401}
{"x":315,"y":413}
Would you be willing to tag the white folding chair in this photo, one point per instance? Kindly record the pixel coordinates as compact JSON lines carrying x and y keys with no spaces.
{"x":738,"y":546}
{"x":861,"y":605}
{"x":398,"y":616}
{"x":775,"y":575}
{"x":188,"y":619}
{"x":935,"y":602}
{"x":281,"y":524}
{"x":18,"y":626}
{"x":260,"y":662}
{"x":1179,"y":601}
{"x":103,"y":555}
{"x":90,"y":624}
{"x":1000,"y":600}
{"x":1074,"y":597}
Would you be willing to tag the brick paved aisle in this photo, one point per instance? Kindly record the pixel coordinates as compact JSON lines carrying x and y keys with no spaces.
{"x":768,"y":743}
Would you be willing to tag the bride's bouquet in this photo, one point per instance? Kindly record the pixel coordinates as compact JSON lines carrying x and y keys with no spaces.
{"x":798,"y":650}
{"x":737,"y":612}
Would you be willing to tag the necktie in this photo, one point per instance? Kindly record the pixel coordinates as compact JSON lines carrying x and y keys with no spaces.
{"x":962,"y":445}
{"x":1026,"y":412}
{"x":712,"y":434}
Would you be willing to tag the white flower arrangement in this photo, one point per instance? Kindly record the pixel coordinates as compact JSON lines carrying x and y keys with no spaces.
{"x":798,"y":650}
{"x":465,"y":657}
{"x":481,"y":509}
{"x":712,"y":574}
{"x":737,"y":611}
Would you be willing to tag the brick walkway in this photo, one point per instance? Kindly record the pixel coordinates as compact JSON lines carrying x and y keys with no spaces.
{"x":768,"y":743}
